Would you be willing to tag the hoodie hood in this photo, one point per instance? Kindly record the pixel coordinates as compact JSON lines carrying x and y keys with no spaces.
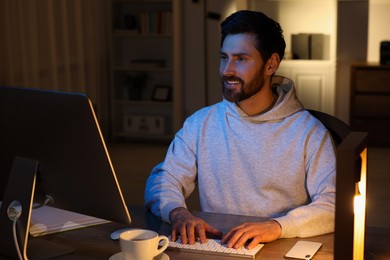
{"x":286,"y":104}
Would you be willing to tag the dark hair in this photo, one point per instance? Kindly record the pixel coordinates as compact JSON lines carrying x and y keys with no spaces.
{"x":268,"y":33}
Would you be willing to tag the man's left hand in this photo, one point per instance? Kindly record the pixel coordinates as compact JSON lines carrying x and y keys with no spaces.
{"x":259,"y":232}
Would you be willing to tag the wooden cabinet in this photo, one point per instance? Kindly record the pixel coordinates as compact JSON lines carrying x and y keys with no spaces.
{"x":145,"y":69}
{"x":370,"y":102}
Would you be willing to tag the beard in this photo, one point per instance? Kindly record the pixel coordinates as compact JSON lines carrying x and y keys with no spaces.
{"x":241,"y":90}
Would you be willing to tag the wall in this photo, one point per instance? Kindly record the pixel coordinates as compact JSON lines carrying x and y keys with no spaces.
{"x":301,"y":16}
{"x":314,"y":79}
{"x":193,"y":57}
{"x":362,"y":25}
{"x":352,"y":33}
{"x":201,"y":51}
{"x":378,"y":27}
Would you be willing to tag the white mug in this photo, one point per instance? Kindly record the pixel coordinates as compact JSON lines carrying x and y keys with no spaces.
{"x":142,"y":244}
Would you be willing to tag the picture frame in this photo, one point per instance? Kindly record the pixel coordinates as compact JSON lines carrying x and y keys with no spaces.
{"x":162,"y":93}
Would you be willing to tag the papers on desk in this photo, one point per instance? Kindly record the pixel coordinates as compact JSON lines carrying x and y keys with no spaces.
{"x":48,"y":220}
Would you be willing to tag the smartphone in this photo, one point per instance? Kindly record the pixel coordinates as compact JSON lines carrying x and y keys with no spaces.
{"x":303,"y":250}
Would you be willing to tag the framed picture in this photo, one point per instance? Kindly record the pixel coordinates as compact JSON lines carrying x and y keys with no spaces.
{"x":161,"y":93}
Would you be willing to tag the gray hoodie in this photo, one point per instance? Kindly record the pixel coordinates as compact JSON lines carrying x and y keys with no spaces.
{"x":279,"y":164}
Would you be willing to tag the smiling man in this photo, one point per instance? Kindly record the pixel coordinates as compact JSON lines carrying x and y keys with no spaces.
{"x":258,"y":152}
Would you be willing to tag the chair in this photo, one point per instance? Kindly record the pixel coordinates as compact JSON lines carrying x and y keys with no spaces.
{"x":337,"y":128}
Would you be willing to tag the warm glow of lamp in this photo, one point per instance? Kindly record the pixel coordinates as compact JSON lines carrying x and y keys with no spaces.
{"x":351,"y":197}
{"x":360,"y":210}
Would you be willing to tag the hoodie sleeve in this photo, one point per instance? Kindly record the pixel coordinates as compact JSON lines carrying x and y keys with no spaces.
{"x":317,"y":217}
{"x":171,"y":181}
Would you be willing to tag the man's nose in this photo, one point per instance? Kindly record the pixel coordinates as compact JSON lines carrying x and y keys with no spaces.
{"x":228,"y":68}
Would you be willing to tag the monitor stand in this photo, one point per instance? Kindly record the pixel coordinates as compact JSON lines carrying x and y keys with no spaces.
{"x":19,"y":197}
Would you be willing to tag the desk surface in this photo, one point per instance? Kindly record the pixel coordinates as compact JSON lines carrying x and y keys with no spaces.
{"x":95,"y":243}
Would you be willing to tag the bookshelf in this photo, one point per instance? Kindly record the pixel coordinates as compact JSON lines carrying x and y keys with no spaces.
{"x":145,"y":69}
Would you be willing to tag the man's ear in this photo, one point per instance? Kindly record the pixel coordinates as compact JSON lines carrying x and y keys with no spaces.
{"x":273,"y":64}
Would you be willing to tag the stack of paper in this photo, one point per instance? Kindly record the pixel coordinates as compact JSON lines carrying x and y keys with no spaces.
{"x":47,"y":220}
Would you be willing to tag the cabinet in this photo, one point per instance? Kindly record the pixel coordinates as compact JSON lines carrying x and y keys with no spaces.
{"x":314,"y":82}
{"x":145,"y":69}
{"x":370,"y":102}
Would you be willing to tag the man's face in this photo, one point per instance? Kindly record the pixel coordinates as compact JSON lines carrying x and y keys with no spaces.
{"x":241,"y":67}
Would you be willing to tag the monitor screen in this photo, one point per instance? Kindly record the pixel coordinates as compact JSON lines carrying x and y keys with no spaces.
{"x":60,"y":132}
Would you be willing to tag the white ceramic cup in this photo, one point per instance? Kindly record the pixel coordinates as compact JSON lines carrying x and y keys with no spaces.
{"x":142,"y":244}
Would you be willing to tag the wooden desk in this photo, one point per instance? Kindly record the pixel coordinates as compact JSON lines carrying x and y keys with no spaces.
{"x":95,"y":243}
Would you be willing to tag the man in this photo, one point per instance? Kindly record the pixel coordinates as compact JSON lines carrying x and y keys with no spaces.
{"x":257,"y":152}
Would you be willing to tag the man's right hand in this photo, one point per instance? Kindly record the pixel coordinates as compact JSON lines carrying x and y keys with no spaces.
{"x":189,"y":228}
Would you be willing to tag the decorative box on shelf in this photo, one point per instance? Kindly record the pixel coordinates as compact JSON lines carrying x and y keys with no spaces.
{"x":139,"y":124}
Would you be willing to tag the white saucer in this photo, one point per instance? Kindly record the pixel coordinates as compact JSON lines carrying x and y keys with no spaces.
{"x":119,"y":256}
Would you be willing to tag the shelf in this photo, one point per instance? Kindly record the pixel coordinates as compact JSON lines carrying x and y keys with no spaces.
{"x":140,"y":1}
{"x":145,"y":69}
{"x":141,"y":68}
{"x":144,"y":103}
{"x":144,"y":136}
{"x":123,"y":33}
{"x":307,"y":62}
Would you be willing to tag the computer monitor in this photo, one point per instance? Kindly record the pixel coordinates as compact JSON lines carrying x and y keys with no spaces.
{"x":351,"y":197}
{"x":52,"y":143}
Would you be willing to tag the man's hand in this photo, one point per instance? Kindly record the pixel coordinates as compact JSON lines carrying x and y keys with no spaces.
{"x":189,"y":227}
{"x":259,"y":233}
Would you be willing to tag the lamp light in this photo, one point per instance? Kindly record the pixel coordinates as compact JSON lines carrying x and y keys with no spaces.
{"x":360,"y":209}
{"x":351,"y":197}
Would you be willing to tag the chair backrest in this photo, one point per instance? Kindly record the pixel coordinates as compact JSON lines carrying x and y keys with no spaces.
{"x":337,"y":128}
